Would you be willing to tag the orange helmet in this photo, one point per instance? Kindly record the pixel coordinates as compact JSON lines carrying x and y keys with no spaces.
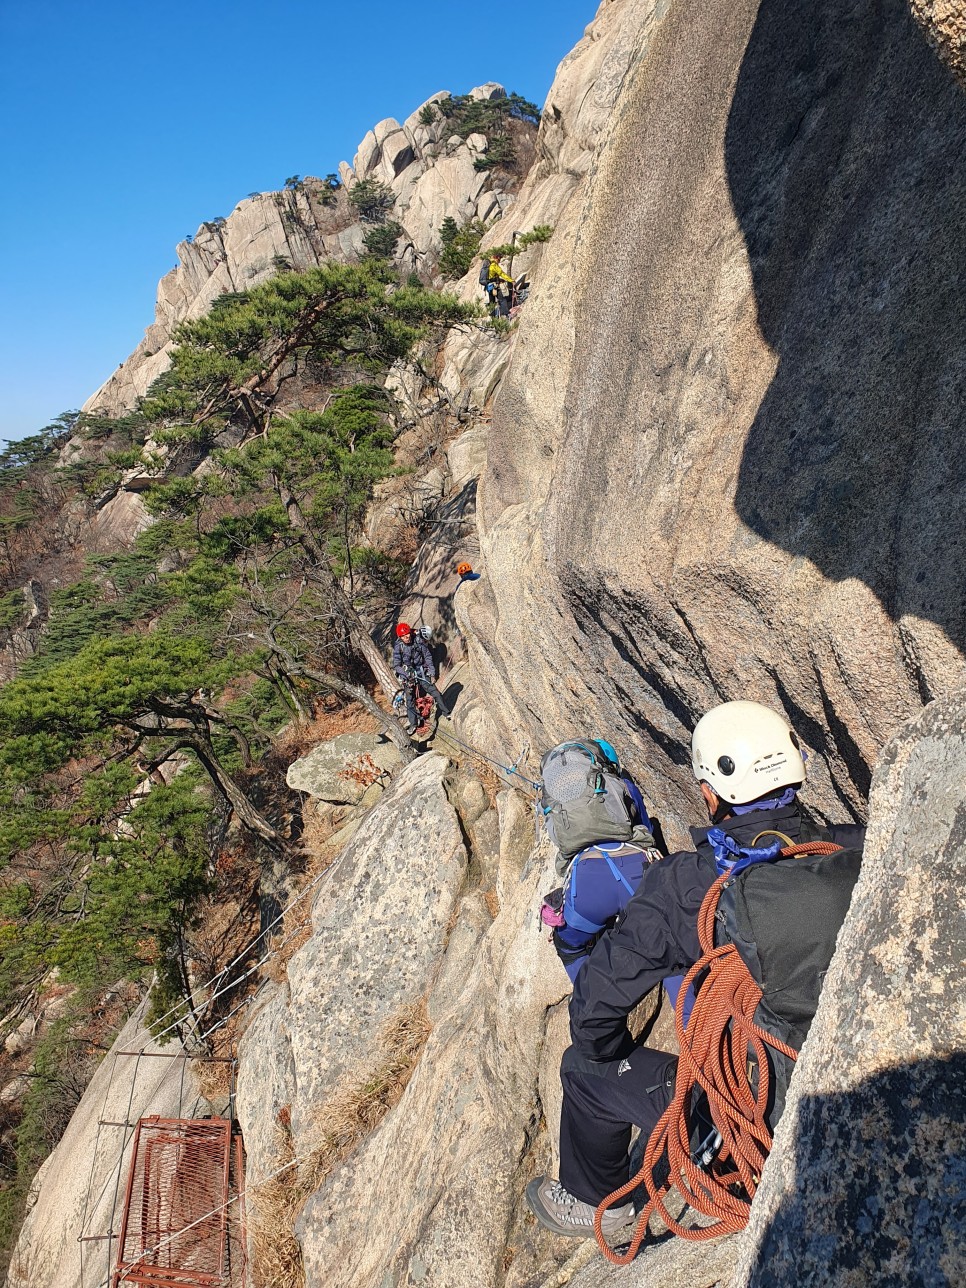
{"x":463,"y":568}
{"x":403,"y":629}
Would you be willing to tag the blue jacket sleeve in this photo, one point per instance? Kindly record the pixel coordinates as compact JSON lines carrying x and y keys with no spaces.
{"x":656,"y":936}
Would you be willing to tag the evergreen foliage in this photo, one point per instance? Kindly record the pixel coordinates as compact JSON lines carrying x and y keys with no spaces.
{"x":380,"y":240}
{"x":461,"y":245}
{"x":227,"y":365}
{"x":540,"y":233}
{"x":129,"y":740}
{"x":188,"y":650}
{"x":493,"y":117}
{"x":467,"y":115}
{"x":500,"y":154}
{"x":372,"y":200}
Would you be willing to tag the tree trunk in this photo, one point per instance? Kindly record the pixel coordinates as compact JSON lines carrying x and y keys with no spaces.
{"x":233,"y":794}
{"x":360,"y":639}
{"x":335,"y":684}
{"x":389,"y":724}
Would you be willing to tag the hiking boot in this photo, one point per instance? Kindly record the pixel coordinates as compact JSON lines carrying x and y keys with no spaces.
{"x":410,"y":728}
{"x":557,"y":1209}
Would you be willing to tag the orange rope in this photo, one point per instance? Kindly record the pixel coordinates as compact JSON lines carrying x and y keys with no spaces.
{"x":716,"y":1048}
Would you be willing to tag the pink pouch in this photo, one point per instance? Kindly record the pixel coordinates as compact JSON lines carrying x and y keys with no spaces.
{"x":551,"y":916}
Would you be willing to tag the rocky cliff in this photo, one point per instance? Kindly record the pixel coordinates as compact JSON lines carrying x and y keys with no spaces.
{"x":430,"y":173}
{"x":725,"y":461}
{"x":727,"y":457}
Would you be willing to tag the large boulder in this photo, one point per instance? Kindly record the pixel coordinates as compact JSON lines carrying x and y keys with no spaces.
{"x":341,"y":769}
{"x":439,"y":1212}
{"x":379,"y":926}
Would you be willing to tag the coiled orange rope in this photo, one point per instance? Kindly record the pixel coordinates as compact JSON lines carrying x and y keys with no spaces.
{"x":720,"y":1042}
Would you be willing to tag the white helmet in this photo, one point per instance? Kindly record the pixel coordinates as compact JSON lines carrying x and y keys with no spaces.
{"x":743,"y":751}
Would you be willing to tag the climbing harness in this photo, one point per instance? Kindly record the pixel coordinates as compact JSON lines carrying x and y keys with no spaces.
{"x":717,"y":1180}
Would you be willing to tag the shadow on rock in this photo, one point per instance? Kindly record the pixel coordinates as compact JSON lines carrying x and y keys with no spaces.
{"x":845,"y":149}
{"x":879,"y":1189}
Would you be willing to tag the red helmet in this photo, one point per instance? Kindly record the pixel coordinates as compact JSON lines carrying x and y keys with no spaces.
{"x":463,"y":568}
{"x":403,"y":629}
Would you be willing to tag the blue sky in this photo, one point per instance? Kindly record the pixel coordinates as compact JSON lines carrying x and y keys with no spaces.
{"x":123,"y":125}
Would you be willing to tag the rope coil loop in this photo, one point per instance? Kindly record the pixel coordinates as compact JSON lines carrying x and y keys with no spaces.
{"x":716,"y":1048}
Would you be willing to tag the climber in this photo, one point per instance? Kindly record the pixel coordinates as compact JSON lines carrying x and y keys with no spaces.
{"x":595,"y":815}
{"x":412,"y":664}
{"x":465,"y":572}
{"x":749,"y":767}
{"x":498,"y":297}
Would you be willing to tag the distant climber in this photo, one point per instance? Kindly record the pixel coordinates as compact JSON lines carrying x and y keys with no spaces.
{"x":595,"y":815}
{"x":412,"y":664}
{"x":498,"y":286}
{"x":465,"y":572}
{"x":588,"y":794}
{"x":750,"y":768}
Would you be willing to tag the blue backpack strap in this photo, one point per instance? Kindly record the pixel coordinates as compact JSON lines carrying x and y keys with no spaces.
{"x":615,"y":870}
{"x":733,"y":858}
{"x":573,"y":917}
{"x":634,"y":792}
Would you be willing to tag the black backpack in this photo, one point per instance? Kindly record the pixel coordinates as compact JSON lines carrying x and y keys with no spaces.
{"x":485,"y":273}
{"x":784,"y":917}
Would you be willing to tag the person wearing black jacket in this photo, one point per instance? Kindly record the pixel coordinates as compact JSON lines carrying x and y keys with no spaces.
{"x":412,"y":664}
{"x":749,"y":766}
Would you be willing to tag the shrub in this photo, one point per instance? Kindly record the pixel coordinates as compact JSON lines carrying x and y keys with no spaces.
{"x":460,"y":246}
{"x":372,"y":200}
{"x":499,"y":152}
{"x":380,"y":240}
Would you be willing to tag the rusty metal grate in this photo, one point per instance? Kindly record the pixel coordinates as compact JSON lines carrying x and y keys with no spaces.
{"x":182,"y":1223}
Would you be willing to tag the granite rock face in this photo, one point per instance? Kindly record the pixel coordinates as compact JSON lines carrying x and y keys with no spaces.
{"x":379,"y":928}
{"x":437,"y":1185}
{"x":77,"y":1190}
{"x":431,"y":177}
{"x":341,"y":769}
{"x":867,"y":1179}
{"x":726,"y":460}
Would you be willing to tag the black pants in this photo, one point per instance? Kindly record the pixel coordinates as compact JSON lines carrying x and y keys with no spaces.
{"x":600,"y":1103}
{"x":428,"y":687}
{"x":499,"y":302}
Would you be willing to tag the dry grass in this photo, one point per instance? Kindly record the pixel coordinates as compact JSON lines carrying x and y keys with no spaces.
{"x":492,"y":783}
{"x":276,"y":1258}
{"x":492,"y":902}
{"x":213,"y":1078}
{"x":354,"y":1109}
{"x":302,"y":735}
